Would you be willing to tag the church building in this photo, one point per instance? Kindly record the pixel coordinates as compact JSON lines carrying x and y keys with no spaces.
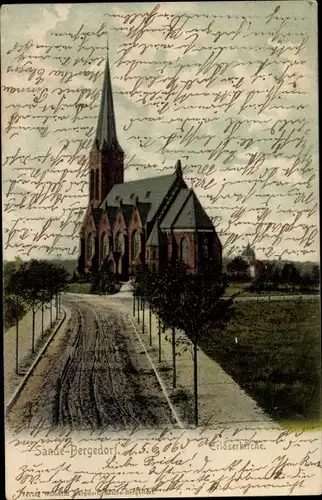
{"x":152,"y":220}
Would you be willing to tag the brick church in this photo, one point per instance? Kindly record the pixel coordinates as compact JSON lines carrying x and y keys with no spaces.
{"x":151,"y":220}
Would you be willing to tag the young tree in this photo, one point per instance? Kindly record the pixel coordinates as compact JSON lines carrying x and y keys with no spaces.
{"x":32,"y":290}
{"x":202,"y":308}
{"x":168,"y":288}
{"x":58,"y":283}
{"x":46,"y":277}
{"x":142,"y":288}
{"x":14,"y":292}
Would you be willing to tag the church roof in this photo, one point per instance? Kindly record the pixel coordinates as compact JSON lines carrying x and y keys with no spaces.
{"x":152,"y":190}
{"x":144,"y":209}
{"x":127,"y":211}
{"x":175,"y":208}
{"x":106,"y":128}
{"x":248,"y":252}
{"x":192,"y":215}
{"x":186,"y":212}
{"x":156,"y":237}
{"x":111,"y":214}
{"x":97,"y":213}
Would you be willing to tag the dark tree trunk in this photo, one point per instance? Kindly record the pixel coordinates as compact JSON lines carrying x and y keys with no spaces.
{"x":33,"y":331}
{"x":17,"y":340}
{"x":159,"y":335}
{"x":56,"y":305}
{"x":133,"y":304}
{"x":42,"y":317}
{"x":150,"y":326}
{"x":51,"y":311}
{"x":174,"y":380}
{"x":138,"y":299}
{"x":143,"y":316}
{"x":195,"y":380}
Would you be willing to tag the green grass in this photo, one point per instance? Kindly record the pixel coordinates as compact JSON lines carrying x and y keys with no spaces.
{"x":235,"y":288}
{"x":243,"y":289}
{"x":79,"y":288}
{"x":277,"y":357}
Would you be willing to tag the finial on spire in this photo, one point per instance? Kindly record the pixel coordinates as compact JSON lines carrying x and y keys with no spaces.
{"x":178,"y":169}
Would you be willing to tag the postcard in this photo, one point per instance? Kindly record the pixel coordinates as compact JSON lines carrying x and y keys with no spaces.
{"x":161,"y":249}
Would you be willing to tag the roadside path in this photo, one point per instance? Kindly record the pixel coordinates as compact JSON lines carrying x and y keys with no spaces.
{"x":221,"y":399}
{"x":25,"y":356}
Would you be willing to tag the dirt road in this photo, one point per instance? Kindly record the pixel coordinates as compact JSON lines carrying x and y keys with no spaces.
{"x":96,"y":375}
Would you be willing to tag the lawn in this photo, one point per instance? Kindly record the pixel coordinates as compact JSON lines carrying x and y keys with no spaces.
{"x":243,"y":289}
{"x":236,"y":288}
{"x":79,"y":288}
{"x":276,"y":358}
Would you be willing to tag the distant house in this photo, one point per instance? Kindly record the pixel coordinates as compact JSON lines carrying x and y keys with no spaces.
{"x":248,"y":254}
{"x":255,"y":268}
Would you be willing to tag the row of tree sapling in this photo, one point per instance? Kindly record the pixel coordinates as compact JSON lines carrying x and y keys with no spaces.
{"x":30,"y":285}
{"x":187,"y":304}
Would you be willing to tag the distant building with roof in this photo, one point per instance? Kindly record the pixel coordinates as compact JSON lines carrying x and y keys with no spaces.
{"x":255,"y":268}
{"x":248,"y":254}
{"x":152,"y":220}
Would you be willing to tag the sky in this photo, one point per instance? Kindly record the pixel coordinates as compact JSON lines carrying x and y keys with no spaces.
{"x":229,"y":88}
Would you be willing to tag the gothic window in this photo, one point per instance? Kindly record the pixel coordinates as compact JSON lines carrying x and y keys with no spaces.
{"x":184,"y":250}
{"x":153,"y":253}
{"x":205,"y":246}
{"x":119,"y":242}
{"x":135,"y":245}
{"x":90,"y":246}
{"x":97,"y":185}
{"x":104,"y":246}
{"x":91,"y":184}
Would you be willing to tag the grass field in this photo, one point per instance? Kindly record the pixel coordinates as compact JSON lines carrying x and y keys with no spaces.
{"x":276,"y":358}
{"x":243,"y":289}
{"x":79,"y":288}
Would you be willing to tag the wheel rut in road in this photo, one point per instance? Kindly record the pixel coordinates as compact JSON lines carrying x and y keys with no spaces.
{"x":98,"y":377}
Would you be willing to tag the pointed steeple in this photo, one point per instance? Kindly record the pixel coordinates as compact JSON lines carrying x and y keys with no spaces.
{"x":106,"y":128}
{"x":178,"y":169}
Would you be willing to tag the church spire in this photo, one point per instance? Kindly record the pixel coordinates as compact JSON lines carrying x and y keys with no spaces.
{"x":106,"y":128}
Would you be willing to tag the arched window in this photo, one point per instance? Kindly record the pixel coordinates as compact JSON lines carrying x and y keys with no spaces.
{"x":89,"y":246}
{"x":97,"y":185}
{"x":91,"y":185}
{"x":135,"y":245}
{"x":184,"y":250}
{"x":104,"y":246}
{"x":119,"y":242}
{"x":205,"y":246}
